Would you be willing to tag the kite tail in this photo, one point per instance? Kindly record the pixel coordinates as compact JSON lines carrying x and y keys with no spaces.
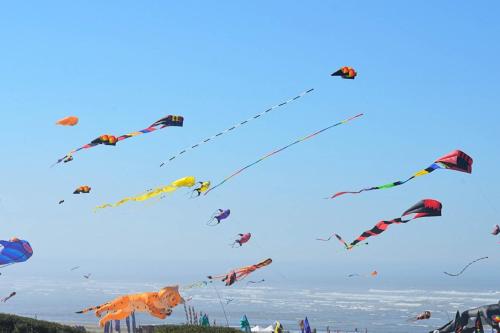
{"x":242,"y":275}
{"x":97,"y":307}
{"x":466,"y":266}
{"x":119,"y":203}
{"x":281,"y":149}
{"x":198,"y":284}
{"x":216,"y":277}
{"x":343,"y":242}
{"x":248,"y":282}
{"x":61,"y":159}
{"x":263,"y":263}
{"x":210,"y":222}
{"x":182,"y":182}
{"x":325,"y":239}
{"x":429,"y":169}
{"x":338,"y":194}
{"x":102,"y":206}
{"x":213,"y":218}
{"x":381,"y":187}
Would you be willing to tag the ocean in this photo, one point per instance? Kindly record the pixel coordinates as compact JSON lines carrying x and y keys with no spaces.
{"x":376,"y":310}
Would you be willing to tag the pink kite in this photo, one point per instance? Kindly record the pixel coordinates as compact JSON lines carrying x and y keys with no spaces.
{"x":243,"y":239}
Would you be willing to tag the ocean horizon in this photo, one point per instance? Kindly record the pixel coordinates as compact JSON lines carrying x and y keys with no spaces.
{"x":346,"y":309}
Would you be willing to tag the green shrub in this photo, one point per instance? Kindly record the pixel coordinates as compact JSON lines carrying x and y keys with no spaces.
{"x":16,"y":324}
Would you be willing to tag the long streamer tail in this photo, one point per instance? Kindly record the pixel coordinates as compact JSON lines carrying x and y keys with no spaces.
{"x":281,"y":149}
{"x":381,"y":187}
{"x":325,"y":239}
{"x":466,"y":266}
{"x":343,"y":242}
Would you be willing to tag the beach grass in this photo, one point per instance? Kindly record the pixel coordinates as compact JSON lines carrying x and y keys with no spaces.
{"x":187,"y":329}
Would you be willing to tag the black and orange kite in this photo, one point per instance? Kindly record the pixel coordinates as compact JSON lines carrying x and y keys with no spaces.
{"x":346,"y":73}
{"x":80,"y":190}
{"x":423,"y":208}
{"x":111,"y":140}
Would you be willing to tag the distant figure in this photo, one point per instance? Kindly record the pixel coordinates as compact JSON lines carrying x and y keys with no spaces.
{"x":301,"y":326}
{"x":87,"y":276}
{"x":278,"y":328}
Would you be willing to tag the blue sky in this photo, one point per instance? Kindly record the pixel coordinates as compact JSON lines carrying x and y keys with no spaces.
{"x":427,"y":83}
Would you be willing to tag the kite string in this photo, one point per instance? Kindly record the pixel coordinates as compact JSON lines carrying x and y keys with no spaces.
{"x":273,"y":270}
{"x":281,"y":149}
{"x":222,"y":305}
{"x":236,"y":125}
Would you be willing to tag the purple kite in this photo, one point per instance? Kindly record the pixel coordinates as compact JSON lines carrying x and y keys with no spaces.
{"x":218,"y":216}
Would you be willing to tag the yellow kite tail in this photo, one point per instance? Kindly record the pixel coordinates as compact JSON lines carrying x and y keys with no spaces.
{"x":182,"y":182}
{"x":102,"y":206}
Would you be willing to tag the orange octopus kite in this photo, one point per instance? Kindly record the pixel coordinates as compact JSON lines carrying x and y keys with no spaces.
{"x":158,"y":304}
{"x":240,"y":273}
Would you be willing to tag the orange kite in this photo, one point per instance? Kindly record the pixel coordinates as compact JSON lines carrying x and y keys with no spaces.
{"x":68,"y":121}
{"x":158,"y":304}
{"x":240,"y":273}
